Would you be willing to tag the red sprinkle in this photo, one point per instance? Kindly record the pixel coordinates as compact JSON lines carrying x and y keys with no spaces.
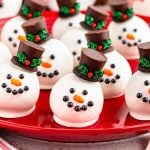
{"x":27,"y":63}
{"x":72,"y":10}
{"x":37,"y":38}
{"x":94,"y":25}
{"x":30,"y":15}
{"x":124,"y":17}
{"x":100,"y":47}
{"x":90,"y":74}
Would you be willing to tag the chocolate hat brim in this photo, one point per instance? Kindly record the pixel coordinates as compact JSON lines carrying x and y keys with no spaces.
{"x":110,"y":49}
{"x":140,"y":68}
{"x":45,"y":40}
{"x":15,"y":62}
{"x":84,"y":25}
{"x":68,"y":15}
{"x":76,"y":72}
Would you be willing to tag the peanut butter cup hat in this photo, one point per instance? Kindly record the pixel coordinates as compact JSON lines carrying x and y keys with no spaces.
{"x":144,"y":51}
{"x":91,"y":65}
{"x":99,"y":41}
{"x":33,"y":8}
{"x":68,"y":8}
{"x":121,"y":9}
{"x":94,"y":19}
{"x":28,"y":56}
{"x":36,"y":30}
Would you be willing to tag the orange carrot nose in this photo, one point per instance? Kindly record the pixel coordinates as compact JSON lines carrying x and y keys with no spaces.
{"x":108,"y":72}
{"x":46,"y":65}
{"x":21,"y":38}
{"x":16,"y":82}
{"x":130,"y":37}
{"x":148,"y":91}
{"x":78,"y":99}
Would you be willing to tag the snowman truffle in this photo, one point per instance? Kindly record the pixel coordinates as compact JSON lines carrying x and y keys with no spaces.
{"x":78,"y":96}
{"x":9,"y":8}
{"x":117,"y":71}
{"x":56,"y":59}
{"x":69,"y":17}
{"x":75,"y":38}
{"x":127,"y":30}
{"x":137,"y":93}
{"x":18,"y":82}
{"x":11,"y":31}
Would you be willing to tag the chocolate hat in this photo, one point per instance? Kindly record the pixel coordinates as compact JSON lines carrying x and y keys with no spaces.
{"x":28,"y":56}
{"x":100,"y":2}
{"x":68,"y":8}
{"x":91,"y":65}
{"x":36,"y":30}
{"x":144,"y":51}
{"x":99,"y":40}
{"x":33,"y":8}
{"x":94,"y":19}
{"x":122,"y":10}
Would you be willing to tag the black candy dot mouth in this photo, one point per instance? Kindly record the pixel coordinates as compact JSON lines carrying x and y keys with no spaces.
{"x":110,"y":81}
{"x":49,"y":75}
{"x":14,"y":91}
{"x":125,"y":42}
{"x":77,"y":108}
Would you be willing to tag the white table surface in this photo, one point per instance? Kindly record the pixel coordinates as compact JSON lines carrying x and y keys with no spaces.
{"x":23,"y":143}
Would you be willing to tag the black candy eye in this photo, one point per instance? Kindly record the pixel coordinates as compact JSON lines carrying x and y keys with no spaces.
{"x":139,"y":95}
{"x":146,"y":83}
{"x":79,"y":41}
{"x":52,"y":57}
{"x":14,"y":45}
{"x":74,"y":53}
{"x":84,"y":92}
{"x":10,"y":39}
{"x":70,"y":24}
{"x":112,"y":66}
{"x":124,"y":29}
{"x":21,"y":76}
{"x":120,"y":37}
{"x":72,"y":90}
{"x":135,"y":30}
{"x":9,"y":76}
{"x":65,"y":98}
{"x":15,"y":31}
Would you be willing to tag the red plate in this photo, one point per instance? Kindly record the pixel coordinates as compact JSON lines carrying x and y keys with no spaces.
{"x":114,"y":122}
